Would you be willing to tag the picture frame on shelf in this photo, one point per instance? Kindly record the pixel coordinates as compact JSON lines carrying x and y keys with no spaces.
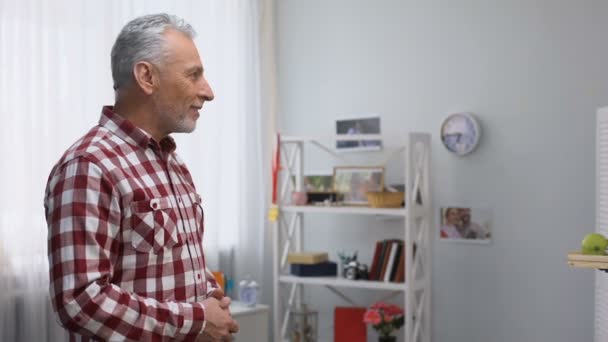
{"x":465,"y":224}
{"x":319,"y":183}
{"x":352,"y":183}
{"x":358,"y":126}
{"x":319,"y":187}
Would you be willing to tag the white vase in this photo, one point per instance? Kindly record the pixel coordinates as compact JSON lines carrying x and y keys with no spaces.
{"x":340,"y":269}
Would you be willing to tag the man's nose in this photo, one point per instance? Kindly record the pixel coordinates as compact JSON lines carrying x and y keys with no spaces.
{"x":205,"y":90}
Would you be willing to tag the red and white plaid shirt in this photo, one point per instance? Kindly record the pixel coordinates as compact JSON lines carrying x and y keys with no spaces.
{"x":125,"y":238}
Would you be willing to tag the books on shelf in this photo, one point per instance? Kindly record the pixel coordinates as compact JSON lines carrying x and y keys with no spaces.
{"x":388,"y":261}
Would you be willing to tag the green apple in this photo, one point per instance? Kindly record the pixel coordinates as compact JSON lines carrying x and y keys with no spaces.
{"x":594,"y":244}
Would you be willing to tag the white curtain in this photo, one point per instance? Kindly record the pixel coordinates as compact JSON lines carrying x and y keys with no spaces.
{"x":54,"y":79}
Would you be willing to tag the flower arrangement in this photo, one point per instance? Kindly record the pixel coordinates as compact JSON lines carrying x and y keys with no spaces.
{"x":384,"y":318}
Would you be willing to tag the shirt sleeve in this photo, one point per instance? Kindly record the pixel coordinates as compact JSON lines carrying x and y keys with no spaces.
{"x":83,"y":215}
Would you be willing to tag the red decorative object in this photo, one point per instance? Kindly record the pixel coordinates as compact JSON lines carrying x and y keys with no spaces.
{"x":348,"y":325}
{"x":276,"y":166}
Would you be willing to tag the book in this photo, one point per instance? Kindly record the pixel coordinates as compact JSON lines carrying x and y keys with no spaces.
{"x":374,"y":265}
{"x":387,"y":253}
{"x":400,"y":276}
{"x":309,"y":258}
{"x":390,"y":262}
{"x":383,"y":247}
{"x":395,"y":267}
{"x":348,"y":324}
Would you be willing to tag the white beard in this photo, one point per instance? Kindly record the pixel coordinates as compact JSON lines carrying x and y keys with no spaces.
{"x":175,"y":123}
{"x":184,"y":125}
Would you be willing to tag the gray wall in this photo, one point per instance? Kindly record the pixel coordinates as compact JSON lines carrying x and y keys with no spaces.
{"x":534,"y":72}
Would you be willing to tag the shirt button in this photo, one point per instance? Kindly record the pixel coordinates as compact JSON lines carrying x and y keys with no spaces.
{"x":198,"y":276}
{"x":190,"y":238}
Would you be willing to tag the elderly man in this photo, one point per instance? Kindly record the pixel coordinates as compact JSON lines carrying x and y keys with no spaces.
{"x":125,"y":221}
{"x":472,"y":230}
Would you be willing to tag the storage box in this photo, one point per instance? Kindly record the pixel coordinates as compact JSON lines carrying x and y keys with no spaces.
{"x":325,"y":269}
{"x":385,"y":199}
{"x":307,"y":258}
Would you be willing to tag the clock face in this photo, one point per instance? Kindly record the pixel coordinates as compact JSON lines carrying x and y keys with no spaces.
{"x":460,"y":133}
{"x":248,"y":295}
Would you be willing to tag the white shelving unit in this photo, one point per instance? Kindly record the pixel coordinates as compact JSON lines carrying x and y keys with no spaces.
{"x":417,"y":227}
{"x":344,"y":210}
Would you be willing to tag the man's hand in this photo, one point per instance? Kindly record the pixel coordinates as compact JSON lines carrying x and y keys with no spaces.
{"x":225,"y":301}
{"x":220,"y":326}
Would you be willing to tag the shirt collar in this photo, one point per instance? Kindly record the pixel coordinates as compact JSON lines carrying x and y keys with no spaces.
{"x":132,"y":134}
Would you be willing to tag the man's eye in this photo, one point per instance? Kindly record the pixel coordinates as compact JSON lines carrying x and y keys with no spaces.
{"x":195,"y":75}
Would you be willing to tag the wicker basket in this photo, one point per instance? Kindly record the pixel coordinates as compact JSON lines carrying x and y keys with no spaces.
{"x":385,"y":199}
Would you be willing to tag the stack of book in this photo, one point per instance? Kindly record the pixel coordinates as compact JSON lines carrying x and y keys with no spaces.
{"x":311,"y":264}
{"x":388,"y":263}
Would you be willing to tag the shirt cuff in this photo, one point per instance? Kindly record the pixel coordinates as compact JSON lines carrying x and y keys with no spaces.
{"x":210,"y":289}
{"x":194,"y":321}
{"x":204,"y":319}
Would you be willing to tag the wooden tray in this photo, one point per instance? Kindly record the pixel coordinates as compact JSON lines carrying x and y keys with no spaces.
{"x":577,"y":259}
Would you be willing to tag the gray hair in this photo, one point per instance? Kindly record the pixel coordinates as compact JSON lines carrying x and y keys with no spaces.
{"x":142,"y":40}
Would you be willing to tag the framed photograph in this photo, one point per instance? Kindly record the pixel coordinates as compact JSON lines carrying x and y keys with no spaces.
{"x":353,"y":183}
{"x":319,"y":188}
{"x":368,"y":125}
{"x":465,"y":224}
{"x":316,"y":182}
{"x":319,"y":183}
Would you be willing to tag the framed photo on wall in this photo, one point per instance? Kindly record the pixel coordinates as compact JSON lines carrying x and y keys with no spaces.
{"x":353,"y":182}
{"x":465,"y":224}
{"x":364,"y":125}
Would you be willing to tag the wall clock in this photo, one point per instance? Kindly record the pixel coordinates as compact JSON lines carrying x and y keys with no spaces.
{"x":460,"y":133}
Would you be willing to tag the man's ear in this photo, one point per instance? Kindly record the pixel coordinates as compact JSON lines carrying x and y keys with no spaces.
{"x":146,"y":77}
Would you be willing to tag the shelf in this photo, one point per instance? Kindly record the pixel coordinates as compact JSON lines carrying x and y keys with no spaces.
{"x":577,"y":259}
{"x":336,"y":137}
{"x":344,"y":210}
{"x":342,"y":282}
{"x":241,"y":309}
{"x":410,"y":153}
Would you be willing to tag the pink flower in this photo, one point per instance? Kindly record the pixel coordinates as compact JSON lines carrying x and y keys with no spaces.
{"x":385,"y":318}
{"x":393,"y":310}
{"x":380,"y":306}
{"x":372,"y":316}
{"x":388,"y":318}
